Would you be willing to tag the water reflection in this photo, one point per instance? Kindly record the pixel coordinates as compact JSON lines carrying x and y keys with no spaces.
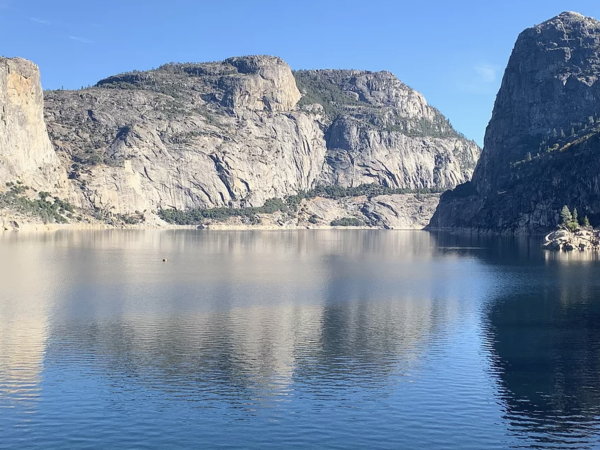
{"x":24,"y":323}
{"x":248,"y":317}
{"x":491,"y":342}
{"x":544,"y":337}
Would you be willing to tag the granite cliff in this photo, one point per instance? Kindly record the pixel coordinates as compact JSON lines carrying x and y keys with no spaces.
{"x":26,"y":154}
{"x":242,"y":131}
{"x":541,"y":144}
{"x":381,"y":131}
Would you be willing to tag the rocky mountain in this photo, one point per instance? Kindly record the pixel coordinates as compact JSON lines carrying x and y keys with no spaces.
{"x":381,"y":131}
{"x":239,"y":132}
{"x":245,"y":130}
{"x":541,"y":145}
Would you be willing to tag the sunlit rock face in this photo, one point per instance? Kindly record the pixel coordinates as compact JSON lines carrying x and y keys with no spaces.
{"x":26,"y":154}
{"x":541,"y":143}
{"x":190,"y":135}
{"x":247,"y":129}
{"x":384,"y":132}
{"x":231,"y":133}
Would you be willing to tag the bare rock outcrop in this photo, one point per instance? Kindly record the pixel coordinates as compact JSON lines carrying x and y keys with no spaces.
{"x":362,"y":154}
{"x":396,"y":211}
{"x":567,"y":240}
{"x":384,"y":132}
{"x":262,"y":83}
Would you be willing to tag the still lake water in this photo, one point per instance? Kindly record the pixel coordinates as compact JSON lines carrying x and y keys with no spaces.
{"x":300,"y":339}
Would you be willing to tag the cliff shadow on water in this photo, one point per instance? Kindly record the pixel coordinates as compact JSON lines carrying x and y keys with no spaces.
{"x":541,"y":331}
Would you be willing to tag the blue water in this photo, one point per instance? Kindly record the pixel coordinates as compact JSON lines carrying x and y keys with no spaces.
{"x":300,"y":339}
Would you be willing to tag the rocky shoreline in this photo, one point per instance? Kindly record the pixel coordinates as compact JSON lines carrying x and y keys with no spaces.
{"x":565,"y":240}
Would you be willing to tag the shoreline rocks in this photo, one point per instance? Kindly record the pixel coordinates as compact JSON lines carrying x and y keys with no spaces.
{"x":565,"y":240}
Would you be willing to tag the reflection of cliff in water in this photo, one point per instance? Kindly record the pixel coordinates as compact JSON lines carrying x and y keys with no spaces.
{"x":244,"y":317}
{"x":27,"y":285}
{"x":544,"y":338}
{"x":251,"y":355}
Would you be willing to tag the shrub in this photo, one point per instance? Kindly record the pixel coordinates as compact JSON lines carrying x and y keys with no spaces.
{"x":272,"y":205}
{"x":347,"y":222}
{"x":53,"y":211}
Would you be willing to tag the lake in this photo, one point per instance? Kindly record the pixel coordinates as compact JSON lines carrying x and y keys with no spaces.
{"x":296,"y":339}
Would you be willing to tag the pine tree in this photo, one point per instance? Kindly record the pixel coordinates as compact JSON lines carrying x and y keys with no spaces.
{"x":586,"y":222}
{"x":575,"y":216}
{"x":565,"y":215}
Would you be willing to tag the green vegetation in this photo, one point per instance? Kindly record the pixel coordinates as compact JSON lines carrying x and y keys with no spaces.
{"x":328,"y":91}
{"x":290,"y":204}
{"x":49,"y":209}
{"x":174,"y":80}
{"x":197,"y":216}
{"x":565,"y":215}
{"x":439,"y":127}
{"x":337,"y":192}
{"x":571,"y":221}
{"x":148,"y":81}
{"x":558,"y":140}
{"x":325,"y":92}
{"x":347,"y":222}
{"x":129,"y":219}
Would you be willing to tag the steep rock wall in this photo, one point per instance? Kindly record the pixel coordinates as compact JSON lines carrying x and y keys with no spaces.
{"x":241,"y":131}
{"x":540,"y":148}
{"x":26,"y":154}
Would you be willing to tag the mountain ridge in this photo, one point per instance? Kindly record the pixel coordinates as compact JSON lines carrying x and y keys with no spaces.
{"x":237,"y":133}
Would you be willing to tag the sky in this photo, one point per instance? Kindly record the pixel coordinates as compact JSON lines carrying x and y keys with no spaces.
{"x":453,"y":52}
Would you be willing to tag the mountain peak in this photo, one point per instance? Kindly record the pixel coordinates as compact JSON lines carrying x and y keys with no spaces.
{"x":569,"y":17}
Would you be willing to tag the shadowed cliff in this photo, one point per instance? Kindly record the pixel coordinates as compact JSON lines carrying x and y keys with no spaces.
{"x":541,"y":143}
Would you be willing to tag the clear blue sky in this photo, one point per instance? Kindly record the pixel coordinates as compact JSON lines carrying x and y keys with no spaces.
{"x":454,"y":52}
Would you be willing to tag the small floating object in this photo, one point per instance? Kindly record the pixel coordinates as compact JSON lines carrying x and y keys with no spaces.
{"x":165,"y":259}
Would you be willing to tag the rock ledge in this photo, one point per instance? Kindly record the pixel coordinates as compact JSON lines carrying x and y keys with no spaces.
{"x":566,"y":240}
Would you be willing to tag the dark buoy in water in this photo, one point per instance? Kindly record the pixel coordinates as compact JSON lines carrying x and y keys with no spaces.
{"x":165,"y":260}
